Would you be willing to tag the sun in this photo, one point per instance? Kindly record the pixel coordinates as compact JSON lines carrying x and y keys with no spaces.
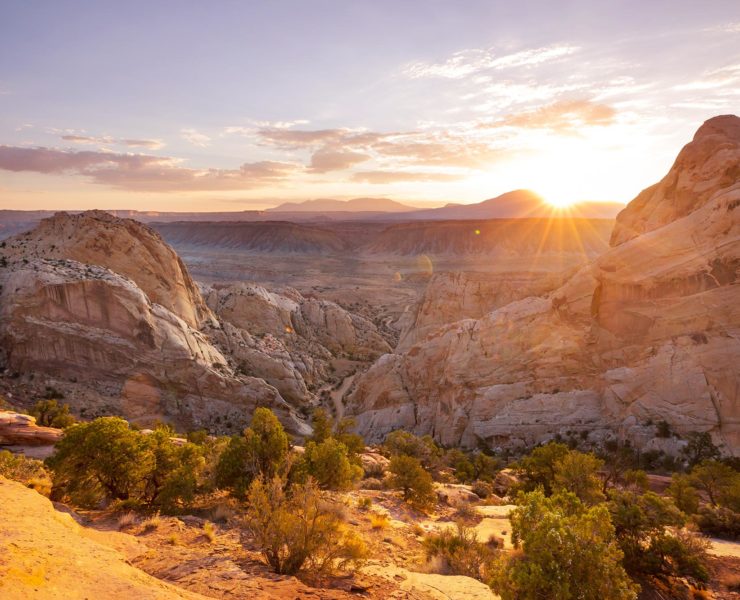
{"x":559,"y":202}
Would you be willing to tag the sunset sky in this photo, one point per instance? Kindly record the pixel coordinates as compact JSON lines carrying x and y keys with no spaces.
{"x":241,"y":105}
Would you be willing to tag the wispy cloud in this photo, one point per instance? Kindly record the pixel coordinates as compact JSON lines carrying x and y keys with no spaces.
{"x":562,"y":116}
{"x":142,"y":172}
{"x":195,"y":137}
{"x":325,"y":160}
{"x":472,"y":61}
{"x":108,"y":140}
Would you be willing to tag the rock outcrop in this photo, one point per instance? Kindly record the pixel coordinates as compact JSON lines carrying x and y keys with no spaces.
{"x":454,"y":296}
{"x":649,"y":332}
{"x":113,"y":351}
{"x":38,"y":543}
{"x":124,"y":246}
{"x":17,"y":429}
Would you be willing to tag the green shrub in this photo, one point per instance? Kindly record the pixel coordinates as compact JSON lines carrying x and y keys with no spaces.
{"x":648,"y":530}
{"x":106,"y":460}
{"x":409,"y":476}
{"x":720,"y":482}
{"x":537,"y":469}
{"x":578,"y":473}
{"x":719,"y":522}
{"x":328,"y":463}
{"x":28,"y":471}
{"x":49,"y":413}
{"x":684,"y":494}
{"x":424,"y":449}
{"x":566,"y":550}
{"x":297,"y":530}
{"x":262,"y":451}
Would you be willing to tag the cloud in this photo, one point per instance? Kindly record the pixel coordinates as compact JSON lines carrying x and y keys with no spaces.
{"x":325,"y":160}
{"x":379,"y":177}
{"x":107,"y":140}
{"x":468,"y":62}
{"x":195,"y":137}
{"x":142,"y":172}
{"x":563,"y":116}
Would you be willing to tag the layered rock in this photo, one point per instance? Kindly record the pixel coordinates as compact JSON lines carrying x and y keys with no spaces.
{"x":649,"y":332}
{"x":288,"y":339}
{"x":453,"y":296}
{"x":124,"y":246}
{"x":17,"y":429}
{"x":112,"y":350}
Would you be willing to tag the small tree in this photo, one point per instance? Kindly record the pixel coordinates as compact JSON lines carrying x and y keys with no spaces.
{"x":538,"y":468}
{"x":409,"y":476}
{"x":578,"y":473}
{"x":49,"y":413}
{"x":261,"y":452}
{"x":28,"y":471}
{"x":700,"y":447}
{"x":424,"y":449}
{"x":720,"y":482}
{"x":566,"y":550}
{"x":642,"y":523}
{"x":322,"y":424}
{"x":297,"y":530}
{"x":103,"y":459}
{"x":684,"y":494}
{"x":329,"y":464}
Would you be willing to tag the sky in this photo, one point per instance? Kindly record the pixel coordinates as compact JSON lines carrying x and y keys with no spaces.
{"x":204,"y":106}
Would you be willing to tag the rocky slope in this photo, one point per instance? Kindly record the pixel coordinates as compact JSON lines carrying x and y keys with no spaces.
{"x":102,"y":309}
{"x":649,"y":332}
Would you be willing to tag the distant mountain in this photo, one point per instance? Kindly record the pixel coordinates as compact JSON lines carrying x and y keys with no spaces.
{"x":514,"y":205}
{"x":355,"y":205}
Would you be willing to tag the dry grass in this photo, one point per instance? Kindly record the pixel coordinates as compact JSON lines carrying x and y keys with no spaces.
{"x":222,"y":513}
{"x":379,"y":521}
{"x":152,"y":523}
{"x":173,"y":539}
{"x":126,"y":520}
{"x":364,"y":503}
{"x":209,"y":531}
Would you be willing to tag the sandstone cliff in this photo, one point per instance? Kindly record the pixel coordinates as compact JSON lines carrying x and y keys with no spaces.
{"x":649,"y":332}
{"x":125,"y":247}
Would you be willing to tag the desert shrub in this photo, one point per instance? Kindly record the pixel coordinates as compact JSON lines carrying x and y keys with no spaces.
{"x":663,"y":429}
{"x":578,"y":473}
{"x":646,"y":526}
{"x":100,"y":460}
{"x":409,"y":476}
{"x":684,"y":494}
{"x":329,"y":464}
{"x":324,"y":428}
{"x":718,"y":521}
{"x":700,"y":448}
{"x":297,"y":530}
{"x":28,"y":471}
{"x":424,"y":449}
{"x":537,"y":469}
{"x":106,"y":460}
{"x":459,"y":552}
{"x":173,"y":479}
{"x":199,"y":437}
{"x":566,"y":549}
{"x":364,"y":503}
{"x":262,"y":451}
{"x":720,"y":482}
{"x":49,"y":413}
{"x":482,"y":489}
{"x":636,"y":479}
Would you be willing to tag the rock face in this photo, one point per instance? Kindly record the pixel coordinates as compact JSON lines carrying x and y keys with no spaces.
{"x":107,"y":311}
{"x":650,"y":331}
{"x":465,"y":295}
{"x":124,"y":246}
{"x":116,"y":352}
{"x":21,"y":430}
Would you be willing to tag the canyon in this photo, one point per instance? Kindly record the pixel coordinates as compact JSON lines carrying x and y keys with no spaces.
{"x":503,"y":332}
